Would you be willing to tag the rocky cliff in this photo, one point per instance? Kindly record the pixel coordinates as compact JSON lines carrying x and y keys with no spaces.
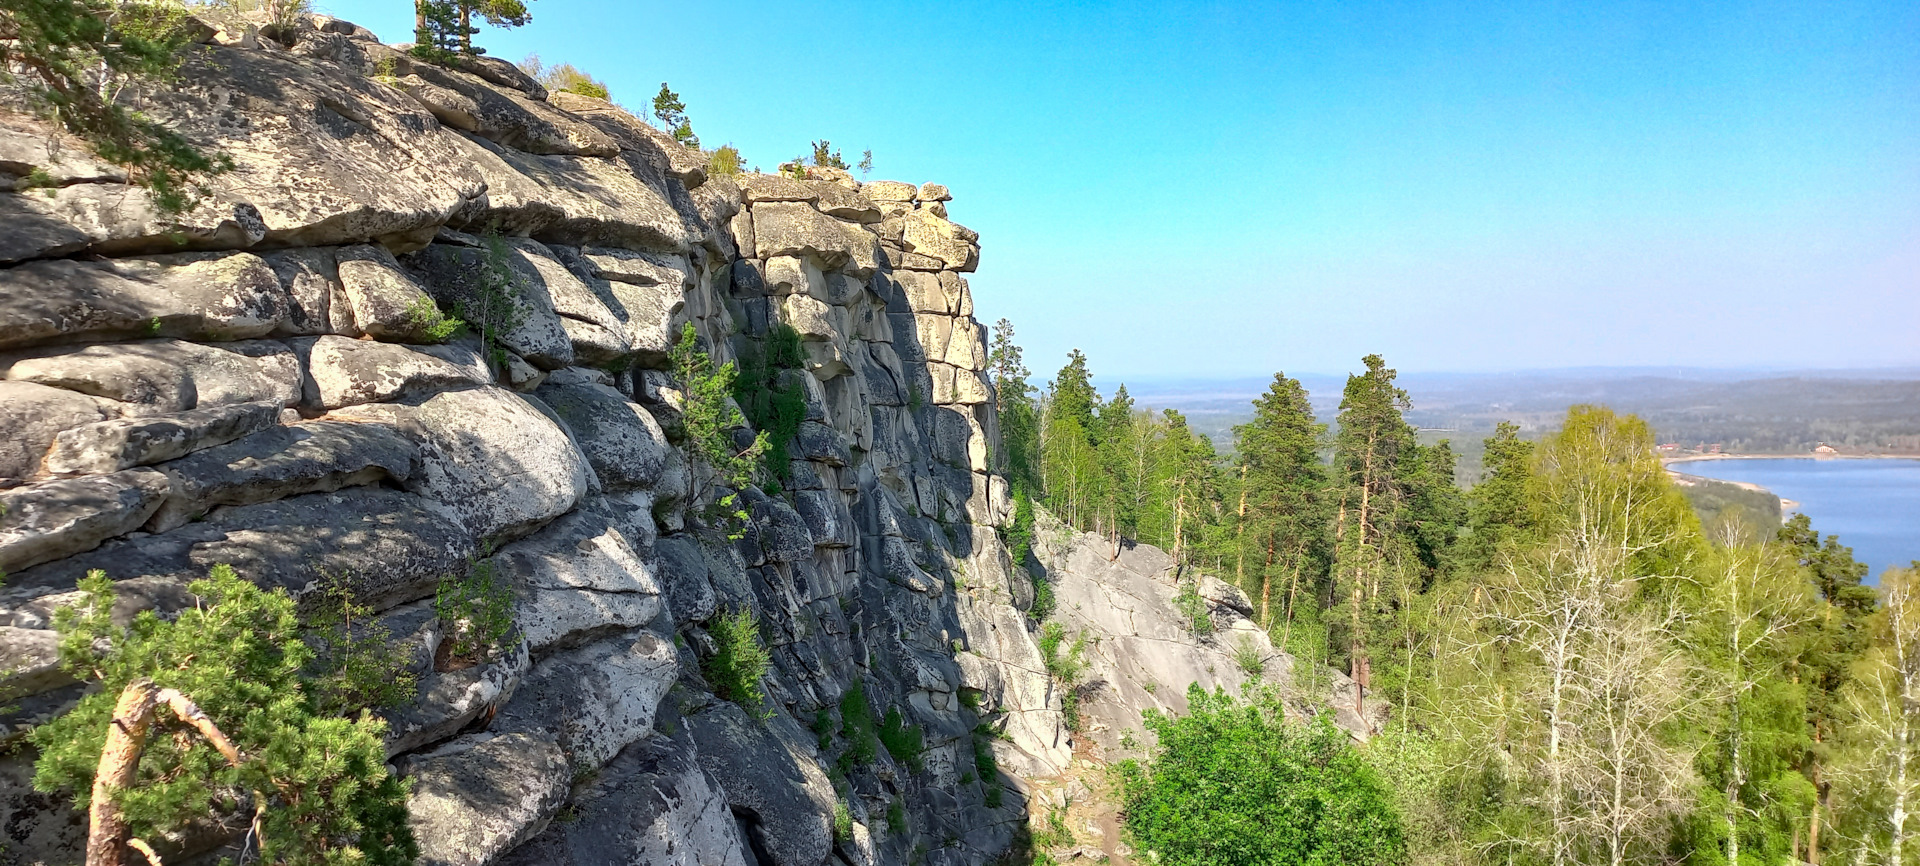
{"x":258,"y":385}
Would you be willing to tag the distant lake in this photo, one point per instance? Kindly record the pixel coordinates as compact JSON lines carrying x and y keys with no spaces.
{"x":1873,"y":505}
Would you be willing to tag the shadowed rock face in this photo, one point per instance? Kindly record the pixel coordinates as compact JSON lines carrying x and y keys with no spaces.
{"x":250,"y":387}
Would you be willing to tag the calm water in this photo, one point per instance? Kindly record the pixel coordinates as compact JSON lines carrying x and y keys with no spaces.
{"x":1873,"y":505}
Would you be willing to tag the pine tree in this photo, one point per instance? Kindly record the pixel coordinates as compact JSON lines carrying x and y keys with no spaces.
{"x":1839,"y":637}
{"x":1497,"y":509}
{"x":1282,"y":517}
{"x":1013,"y":401}
{"x":673,"y":116}
{"x":1370,"y":449}
{"x":443,"y":27}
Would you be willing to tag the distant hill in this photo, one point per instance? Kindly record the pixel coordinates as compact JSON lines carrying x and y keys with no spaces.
{"x":1751,"y":412}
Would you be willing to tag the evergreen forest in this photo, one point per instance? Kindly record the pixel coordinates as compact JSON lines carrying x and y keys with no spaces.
{"x":1577,"y":668}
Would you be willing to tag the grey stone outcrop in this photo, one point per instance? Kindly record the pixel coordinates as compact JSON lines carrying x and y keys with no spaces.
{"x":250,"y":385}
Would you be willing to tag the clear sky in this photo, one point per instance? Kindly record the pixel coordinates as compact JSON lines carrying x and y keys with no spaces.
{"x":1238,"y":188}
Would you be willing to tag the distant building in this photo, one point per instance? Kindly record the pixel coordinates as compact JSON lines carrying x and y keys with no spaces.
{"x":1668,"y":448}
{"x":1825,"y":450}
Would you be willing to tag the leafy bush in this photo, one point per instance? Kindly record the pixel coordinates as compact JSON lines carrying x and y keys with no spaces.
{"x":856,"y":722}
{"x":355,"y":664}
{"x":1235,"y":783}
{"x":1065,"y":666}
{"x":896,"y":816}
{"x":564,"y":77}
{"x":673,"y":116}
{"x":825,"y":156}
{"x":1248,"y":656}
{"x":476,"y":610}
{"x":774,"y":403}
{"x":724,"y":161}
{"x":842,"y":821}
{"x":902,"y":739}
{"x":739,"y":661}
{"x":320,"y":782}
{"x":708,"y":416}
{"x":1193,"y":608}
{"x":430,"y":325}
{"x":495,"y":309}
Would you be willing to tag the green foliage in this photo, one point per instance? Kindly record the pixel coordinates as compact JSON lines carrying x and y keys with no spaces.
{"x":1235,"y":783}
{"x":1247,"y":654}
{"x":327,"y":794}
{"x":739,"y":662}
{"x":444,"y":29}
{"x":774,"y":401}
{"x":476,"y":610}
{"x":842,"y":822}
{"x":356,"y":664}
{"x":72,"y":59}
{"x":856,"y":724}
{"x":708,"y":416}
{"x":493,"y":310}
{"x":429,"y":324}
{"x":672,"y":114}
{"x":563,"y":77}
{"x":1193,"y":608}
{"x":1066,"y":662}
{"x":866,"y":162}
{"x":825,"y":156}
{"x":902,"y":738}
{"x":896,"y":816}
{"x":724,"y":161}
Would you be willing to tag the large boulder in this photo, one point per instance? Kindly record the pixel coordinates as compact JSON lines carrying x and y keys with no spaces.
{"x":32,"y":416}
{"x":796,"y":229}
{"x":386,"y":303}
{"x":476,"y":798}
{"x":621,"y":439}
{"x":580,"y":200}
{"x":55,"y":519}
{"x":511,"y":119}
{"x":653,"y":805}
{"x":154,"y":377}
{"x":578,"y":575}
{"x":196,"y":296}
{"x":490,"y":456}
{"x":313,"y":457}
{"x":772,"y":781}
{"x":595,"y":699}
{"x":342,"y":372}
{"x":474,"y":280}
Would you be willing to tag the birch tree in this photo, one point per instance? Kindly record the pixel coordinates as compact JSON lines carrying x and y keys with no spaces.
{"x":1881,"y":707}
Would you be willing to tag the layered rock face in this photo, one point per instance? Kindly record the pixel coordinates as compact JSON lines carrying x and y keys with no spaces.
{"x":258,"y":387}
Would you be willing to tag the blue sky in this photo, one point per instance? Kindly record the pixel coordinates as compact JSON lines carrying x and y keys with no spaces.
{"x":1237,"y":188}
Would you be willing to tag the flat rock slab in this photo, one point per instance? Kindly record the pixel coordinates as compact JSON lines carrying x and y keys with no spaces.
{"x":156,"y":377}
{"x":654,"y":805}
{"x":195,"y":296}
{"x":471,"y":280}
{"x":596,"y":699}
{"x":311,"y":457}
{"x":110,"y":446}
{"x":343,"y":372}
{"x":32,"y":416}
{"x":475,"y":799}
{"x":56,"y":519}
{"x":387,"y":546}
{"x":621,"y":439}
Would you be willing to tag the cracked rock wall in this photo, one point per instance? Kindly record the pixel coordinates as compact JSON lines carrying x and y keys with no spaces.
{"x":252,"y":387}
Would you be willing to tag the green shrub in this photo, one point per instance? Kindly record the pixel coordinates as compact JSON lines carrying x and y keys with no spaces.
{"x":237,"y":654}
{"x":1065,"y":666}
{"x":856,"y":723}
{"x":1193,"y":608}
{"x":774,"y":402}
{"x":842,"y":821}
{"x":707,"y":417}
{"x":1247,"y":654}
{"x":724,"y":161}
{"x":826,"y":157}
{"x":902,"y":739}
{"x":1236,"y":782}
{"x":494,"y":310}
{"x":739,"y":661}
{"x":429,"y":324}
{"x":897,"y":816}
{"x":823,"y":728}
{"x":356,"y":664}
{"x":476,"y":610}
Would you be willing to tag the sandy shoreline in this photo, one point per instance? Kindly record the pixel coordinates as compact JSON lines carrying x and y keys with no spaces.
{"x":1694,"y":458}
